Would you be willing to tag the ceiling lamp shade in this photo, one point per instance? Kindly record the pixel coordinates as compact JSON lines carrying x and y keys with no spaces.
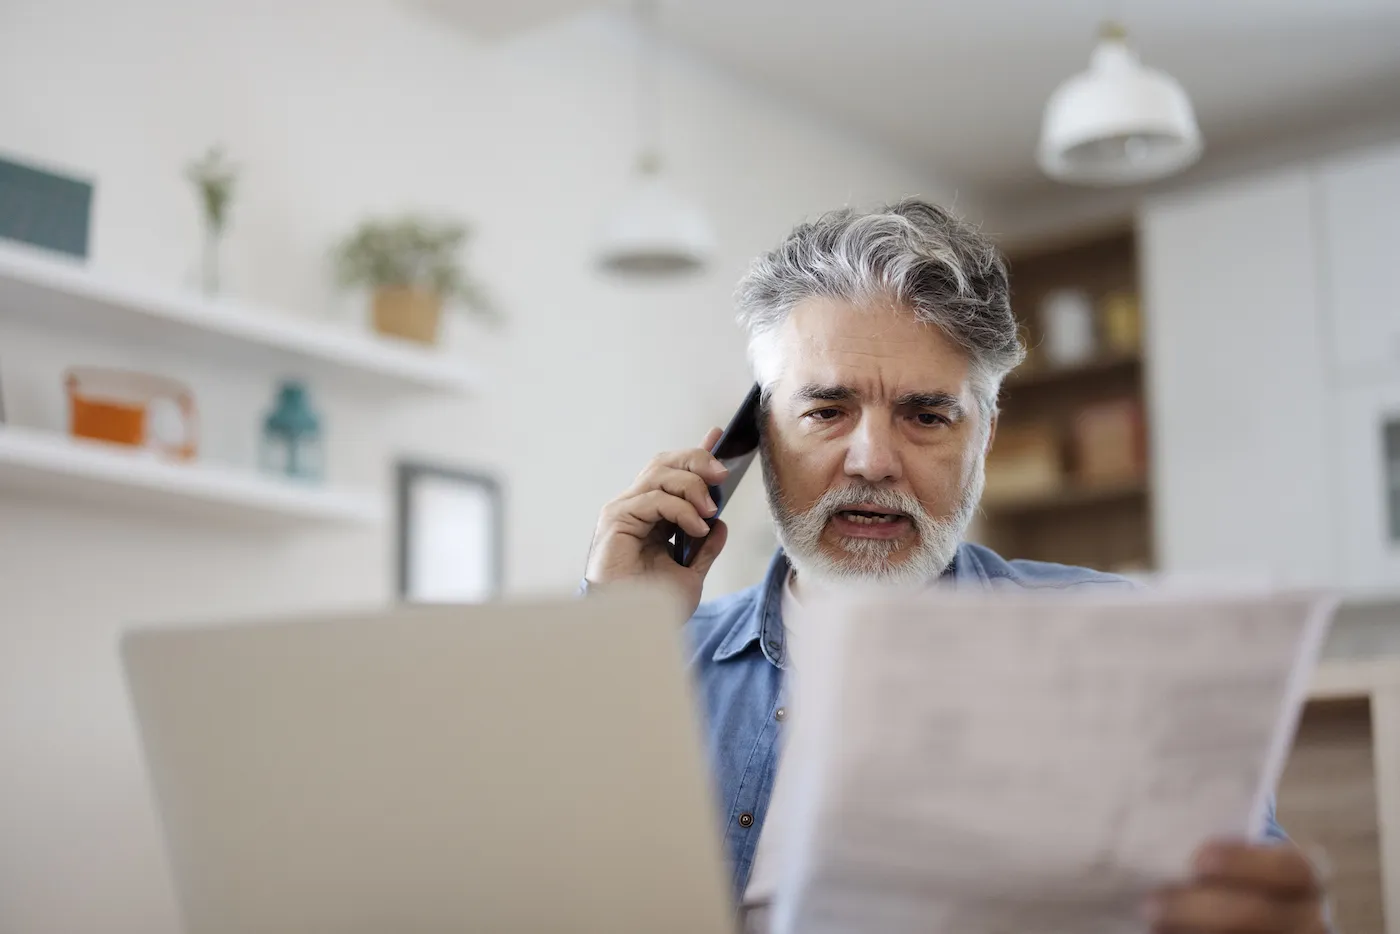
{"x":656,"y":231}
{"x":1119,"y":123}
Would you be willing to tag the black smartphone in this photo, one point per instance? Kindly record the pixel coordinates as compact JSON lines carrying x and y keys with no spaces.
{"x":736,"y":449}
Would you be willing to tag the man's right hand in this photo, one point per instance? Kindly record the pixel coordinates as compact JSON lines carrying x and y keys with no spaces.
{"x":630,"y":541}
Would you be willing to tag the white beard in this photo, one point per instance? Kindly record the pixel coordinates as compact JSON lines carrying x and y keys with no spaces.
{"x":868,"y":560}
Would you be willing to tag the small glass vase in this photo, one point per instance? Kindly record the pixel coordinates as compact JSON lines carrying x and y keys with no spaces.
{"x":209,"y":264}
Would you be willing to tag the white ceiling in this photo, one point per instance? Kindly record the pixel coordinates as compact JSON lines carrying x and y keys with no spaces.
{"x":499,"y":19}
{"x":960,"y":85}
{"x":963,"y":84}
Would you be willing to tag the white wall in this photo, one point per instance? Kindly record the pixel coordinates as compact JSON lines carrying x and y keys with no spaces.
{"x":1240,"y":485}
{"x":337,"y":109}
{"x":1273,"y":310}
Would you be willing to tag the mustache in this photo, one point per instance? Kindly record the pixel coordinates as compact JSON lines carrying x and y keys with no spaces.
{"x":862,"y":494}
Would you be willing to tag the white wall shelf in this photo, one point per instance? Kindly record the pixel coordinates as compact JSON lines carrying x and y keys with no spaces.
{"x":57,"y":467}
{"x":51,"y":290}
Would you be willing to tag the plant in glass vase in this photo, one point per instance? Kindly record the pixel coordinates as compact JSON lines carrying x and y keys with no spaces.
{"x":214,"y":178}
{"x":412,"y":267}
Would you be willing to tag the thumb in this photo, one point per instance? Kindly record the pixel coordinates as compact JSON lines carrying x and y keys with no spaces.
{"x":709,"y":551}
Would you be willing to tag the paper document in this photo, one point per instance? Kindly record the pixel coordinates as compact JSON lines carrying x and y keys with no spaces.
{"x":1023,"y":764}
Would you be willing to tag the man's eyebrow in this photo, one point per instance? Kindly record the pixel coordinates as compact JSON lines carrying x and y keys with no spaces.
{"x":932,"y":400}
{"x":815,"y":392}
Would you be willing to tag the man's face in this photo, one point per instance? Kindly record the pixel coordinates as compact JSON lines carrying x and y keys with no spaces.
{"x":874,"y":445}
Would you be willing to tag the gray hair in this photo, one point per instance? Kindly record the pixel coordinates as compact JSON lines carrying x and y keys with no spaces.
{"x":944,"y":270}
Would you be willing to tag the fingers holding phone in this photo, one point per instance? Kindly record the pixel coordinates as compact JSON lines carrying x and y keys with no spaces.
{"x":632,"y":538}
{"x":735,"y":448}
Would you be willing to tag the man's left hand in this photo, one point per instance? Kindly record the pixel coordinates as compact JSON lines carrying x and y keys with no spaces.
{"x":1243,"y":888}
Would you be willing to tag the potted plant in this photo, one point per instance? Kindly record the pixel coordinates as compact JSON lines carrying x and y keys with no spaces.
{"x":412,"y":267}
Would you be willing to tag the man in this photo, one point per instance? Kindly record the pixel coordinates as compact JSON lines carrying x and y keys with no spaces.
{"x":880,"y":341}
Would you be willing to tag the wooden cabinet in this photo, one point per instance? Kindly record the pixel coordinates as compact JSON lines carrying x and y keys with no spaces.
{"x":1359,"y":218}
{"x":1339,"y":796}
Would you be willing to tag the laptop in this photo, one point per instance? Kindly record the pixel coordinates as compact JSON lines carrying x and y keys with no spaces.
{"x":530,"y":767}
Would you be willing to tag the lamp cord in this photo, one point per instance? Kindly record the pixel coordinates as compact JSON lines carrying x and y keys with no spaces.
{"x":648,"y":88}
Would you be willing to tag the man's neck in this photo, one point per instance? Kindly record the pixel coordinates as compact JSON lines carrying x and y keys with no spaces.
{"x":794,"y":585}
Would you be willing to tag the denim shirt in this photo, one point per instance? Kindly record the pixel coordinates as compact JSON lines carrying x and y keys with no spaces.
{"x":736,"y":645}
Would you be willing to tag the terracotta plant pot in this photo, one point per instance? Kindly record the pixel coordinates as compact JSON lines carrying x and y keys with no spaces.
{"x":413,"y":314}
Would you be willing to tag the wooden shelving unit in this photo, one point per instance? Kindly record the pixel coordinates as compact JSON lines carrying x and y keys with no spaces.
{"x":1340,"y":790}
{"x":1043,"y":376}
{"x":1069,"y":498}
{"x":1103,"y":523}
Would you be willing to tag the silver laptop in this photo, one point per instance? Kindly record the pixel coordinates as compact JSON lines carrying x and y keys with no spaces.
{"x":510,"y":768}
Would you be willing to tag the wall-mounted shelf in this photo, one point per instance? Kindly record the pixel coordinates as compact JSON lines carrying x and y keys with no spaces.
{"x":54,"y":291}
{"x":1107,"y":366}
{"x":57,"y":467}
{"x":1071,"y":497}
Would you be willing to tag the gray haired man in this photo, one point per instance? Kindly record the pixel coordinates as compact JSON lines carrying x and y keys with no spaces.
{"x":880,"y":341}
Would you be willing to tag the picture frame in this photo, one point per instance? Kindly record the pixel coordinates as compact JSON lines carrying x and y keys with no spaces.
{"x":450,"y":534}
{"x":43,"y":208}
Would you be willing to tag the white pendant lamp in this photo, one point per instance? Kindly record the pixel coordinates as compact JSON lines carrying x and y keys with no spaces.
{"x":1119,"y":123}
{"x":656,"y":231}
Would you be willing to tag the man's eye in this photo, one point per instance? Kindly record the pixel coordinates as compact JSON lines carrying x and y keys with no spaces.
{"x":824,"y":415}
{"x":931,"y":419}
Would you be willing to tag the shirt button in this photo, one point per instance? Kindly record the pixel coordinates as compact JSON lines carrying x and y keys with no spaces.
{"x":746,"y":820}
{"x":781,"y":714}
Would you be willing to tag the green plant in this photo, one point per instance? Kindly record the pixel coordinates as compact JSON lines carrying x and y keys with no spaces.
{"x":214,"y":177}
{"x":411,"y":252}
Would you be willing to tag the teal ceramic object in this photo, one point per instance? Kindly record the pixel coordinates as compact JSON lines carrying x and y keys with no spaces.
{"x":292,"y":444}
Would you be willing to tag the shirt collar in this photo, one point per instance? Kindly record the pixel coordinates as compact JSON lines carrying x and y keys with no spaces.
{"x":764,"y":623}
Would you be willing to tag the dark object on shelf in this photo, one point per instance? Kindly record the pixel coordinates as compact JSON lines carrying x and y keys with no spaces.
{"x":1025,"y":463}
{"x":1120,"y":322}
{"x":1109,"y":443}
{"x":292,"y":445}
{"x":1103,"y":366}
{"x":1072,"y":497}
{"x":44,"y":209}
{"x":450,"y":535}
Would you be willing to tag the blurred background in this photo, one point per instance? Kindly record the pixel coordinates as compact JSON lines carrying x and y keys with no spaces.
{"x":307,"y":305}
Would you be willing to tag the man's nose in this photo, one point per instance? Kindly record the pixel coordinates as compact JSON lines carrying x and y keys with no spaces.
{"x":873,"y":453}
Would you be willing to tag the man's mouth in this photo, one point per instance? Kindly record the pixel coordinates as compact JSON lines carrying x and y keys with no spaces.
{"x":870,"y":516}
{"x":867,"y":521}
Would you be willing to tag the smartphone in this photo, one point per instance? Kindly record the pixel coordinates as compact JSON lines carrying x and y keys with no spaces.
{"x":736,"y":449}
